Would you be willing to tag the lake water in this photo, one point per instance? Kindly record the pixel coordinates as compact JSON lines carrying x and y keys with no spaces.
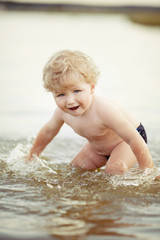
{"x":47,"y":199}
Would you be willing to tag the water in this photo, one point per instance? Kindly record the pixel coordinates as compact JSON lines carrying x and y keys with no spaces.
{"x":48,"y":199}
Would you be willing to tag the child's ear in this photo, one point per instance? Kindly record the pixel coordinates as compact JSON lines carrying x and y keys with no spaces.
{"x":92,"y":88}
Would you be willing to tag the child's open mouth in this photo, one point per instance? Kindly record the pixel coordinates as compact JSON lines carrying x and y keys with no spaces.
{"x":74,"y":108}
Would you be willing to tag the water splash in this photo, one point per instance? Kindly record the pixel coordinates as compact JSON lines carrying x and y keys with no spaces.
{"x":65,"y":201}
{"x":16,"y":162}
{"x":72,"y":181}
{"x":135,"y":177}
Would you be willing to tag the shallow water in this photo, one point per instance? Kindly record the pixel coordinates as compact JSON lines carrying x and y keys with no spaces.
{"x":48,"y":199}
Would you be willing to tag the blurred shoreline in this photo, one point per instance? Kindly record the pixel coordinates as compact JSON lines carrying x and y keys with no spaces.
{"x":142,"y":14}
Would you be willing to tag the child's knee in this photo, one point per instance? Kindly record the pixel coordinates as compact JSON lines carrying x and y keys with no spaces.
{"x":87,"y":165}
{"x":117,"y":168}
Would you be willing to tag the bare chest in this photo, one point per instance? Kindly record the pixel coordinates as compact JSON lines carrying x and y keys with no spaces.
{"x":90,"y":128}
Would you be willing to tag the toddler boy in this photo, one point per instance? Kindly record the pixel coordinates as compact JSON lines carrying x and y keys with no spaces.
{"x":116,"y":139}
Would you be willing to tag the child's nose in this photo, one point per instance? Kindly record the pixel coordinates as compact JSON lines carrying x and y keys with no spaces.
{"x":70,"y":99}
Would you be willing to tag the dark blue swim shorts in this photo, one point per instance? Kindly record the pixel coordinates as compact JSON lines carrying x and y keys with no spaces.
{"x":142,"y":132}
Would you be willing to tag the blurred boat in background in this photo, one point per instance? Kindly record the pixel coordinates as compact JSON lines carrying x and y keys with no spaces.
{"x":143,"y":12}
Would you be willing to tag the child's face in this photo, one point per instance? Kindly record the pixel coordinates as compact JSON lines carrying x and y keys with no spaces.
{"x":74,"y":99}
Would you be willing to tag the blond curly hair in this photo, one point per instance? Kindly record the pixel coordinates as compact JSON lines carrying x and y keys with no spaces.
{"x":62,"y":65}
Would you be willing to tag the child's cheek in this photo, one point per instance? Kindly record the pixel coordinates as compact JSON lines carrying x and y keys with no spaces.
{"x":58,"y":102}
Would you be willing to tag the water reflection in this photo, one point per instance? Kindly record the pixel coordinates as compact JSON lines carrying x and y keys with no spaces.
{"x":62,"y":201}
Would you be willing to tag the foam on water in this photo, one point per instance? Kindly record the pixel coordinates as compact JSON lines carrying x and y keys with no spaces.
{"x":135,"y":177}
{"x":49,"y":194}
{"x":43,"y":169}
{"x":16,"y":162}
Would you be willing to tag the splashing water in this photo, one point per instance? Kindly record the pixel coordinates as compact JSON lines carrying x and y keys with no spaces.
{"x":40,"y":166}
{"x":49,"y":194}
{"x":17,"y":162}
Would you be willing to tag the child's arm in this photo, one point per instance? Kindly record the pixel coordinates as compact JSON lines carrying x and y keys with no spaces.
{"x":115,"y":120}
{"x":46,"y":134}
{"x":137,"y":144}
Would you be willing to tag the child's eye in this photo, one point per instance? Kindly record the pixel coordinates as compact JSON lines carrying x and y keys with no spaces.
{"x":77,"y":91}
{"x":61,"y":95}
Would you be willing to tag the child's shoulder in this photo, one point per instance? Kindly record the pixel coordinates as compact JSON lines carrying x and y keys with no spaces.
{"x":58,"y":113}
{"x":106,"y":107}
{"x":61,"y":115}
{"x":104,"y":102}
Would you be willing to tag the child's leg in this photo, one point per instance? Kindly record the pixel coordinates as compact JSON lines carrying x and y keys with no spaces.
{"x":87,"y":159}
{"x":121,"y":159}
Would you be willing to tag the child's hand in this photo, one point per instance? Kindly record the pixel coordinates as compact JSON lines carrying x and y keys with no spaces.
{"x":157,"y":178}
{"x":28,"y":158}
